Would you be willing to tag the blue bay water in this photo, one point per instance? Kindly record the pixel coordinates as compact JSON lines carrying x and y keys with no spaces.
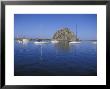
{"x":55,"y":59}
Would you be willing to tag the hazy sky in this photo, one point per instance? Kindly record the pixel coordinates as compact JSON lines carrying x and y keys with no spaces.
{"x":45,"y":25}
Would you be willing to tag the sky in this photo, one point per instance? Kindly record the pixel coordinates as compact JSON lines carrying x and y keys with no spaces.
{"x":45,"y":25}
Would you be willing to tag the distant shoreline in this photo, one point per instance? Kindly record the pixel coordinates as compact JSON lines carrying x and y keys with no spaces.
{"x":43,"y":39}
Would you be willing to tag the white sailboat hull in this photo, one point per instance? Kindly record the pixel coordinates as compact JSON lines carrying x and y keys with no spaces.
{"x":54,"y":41}
{"x":74,"y":42}
{"x":40,"y":42}
{"x":94,"y":42}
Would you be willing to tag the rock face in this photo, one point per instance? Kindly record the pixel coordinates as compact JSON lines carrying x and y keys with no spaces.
{"x":64,"y":34}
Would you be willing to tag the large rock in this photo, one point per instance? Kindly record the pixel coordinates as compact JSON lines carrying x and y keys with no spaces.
{"x":64,"y":34}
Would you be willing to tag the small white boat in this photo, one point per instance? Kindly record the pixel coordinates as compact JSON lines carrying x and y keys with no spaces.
{"x":23,"y":41}
{"x":19,"y":41}
{"x":94,"y":42}
{"x":74,"y":42}
{"x":54,"y":41}
{"x":41,"y":42}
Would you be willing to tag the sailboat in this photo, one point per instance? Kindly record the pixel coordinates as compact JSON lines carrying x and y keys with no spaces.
{"x":94,"y":42}
{"x":75,"y":42}
{"x":23,"y":40}
{"x":41,"y":42}
{"x":54,"y":41}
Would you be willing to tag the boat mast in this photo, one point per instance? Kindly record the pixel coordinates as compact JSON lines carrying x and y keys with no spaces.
{"x":76,"y":31}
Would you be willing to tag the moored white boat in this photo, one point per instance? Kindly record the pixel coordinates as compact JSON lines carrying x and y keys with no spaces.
{"x":94,"y":42}
{"x":41,"y":42}
{"x":54,"y":41}
{"x":75,"y":42}
{"x":19,"y":41}
{"x":23,"y":41}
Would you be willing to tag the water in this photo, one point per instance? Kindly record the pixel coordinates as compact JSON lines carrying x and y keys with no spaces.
{"x":60,"y":59}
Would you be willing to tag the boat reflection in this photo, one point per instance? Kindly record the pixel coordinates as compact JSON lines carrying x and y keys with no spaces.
{"x":40,"y":44}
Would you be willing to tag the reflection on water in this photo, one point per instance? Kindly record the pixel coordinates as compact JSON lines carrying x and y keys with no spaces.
{"x":41,"y":52}
{"x":63,"y":46}
{"x":61,"y":59}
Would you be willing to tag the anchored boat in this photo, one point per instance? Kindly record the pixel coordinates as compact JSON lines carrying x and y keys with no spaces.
{"x":40,"y":42}
{"x":94,"y":42}
{"x":54,"y":41}
{"x":75,"y":42}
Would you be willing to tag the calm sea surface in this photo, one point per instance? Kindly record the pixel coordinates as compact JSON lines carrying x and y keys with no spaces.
{"x":61,"y":59}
